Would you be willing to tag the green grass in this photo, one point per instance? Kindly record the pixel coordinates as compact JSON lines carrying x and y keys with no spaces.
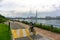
{"x":5,"y":33}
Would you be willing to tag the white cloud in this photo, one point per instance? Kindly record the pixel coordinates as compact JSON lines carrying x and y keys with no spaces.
{"x":25,"y":5}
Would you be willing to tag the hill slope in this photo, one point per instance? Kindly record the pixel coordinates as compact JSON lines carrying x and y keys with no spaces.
{"x":2,"y":19}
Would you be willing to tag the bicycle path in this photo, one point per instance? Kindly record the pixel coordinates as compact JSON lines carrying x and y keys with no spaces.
{"x":17,"y":26}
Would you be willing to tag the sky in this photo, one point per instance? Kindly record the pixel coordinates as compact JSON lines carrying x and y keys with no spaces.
{"x":26,"y":8}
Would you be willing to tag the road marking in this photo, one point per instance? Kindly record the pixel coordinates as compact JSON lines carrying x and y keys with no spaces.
{"x":20,"y":33}
{"x":24,"y":32}
{"x":27,"y":32}
{"x":15,"y":33}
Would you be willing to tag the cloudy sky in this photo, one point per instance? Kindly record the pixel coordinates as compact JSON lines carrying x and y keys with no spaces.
{"x":25,"y":8}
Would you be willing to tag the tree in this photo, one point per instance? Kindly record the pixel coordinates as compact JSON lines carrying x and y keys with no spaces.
{"x":2,"y":19}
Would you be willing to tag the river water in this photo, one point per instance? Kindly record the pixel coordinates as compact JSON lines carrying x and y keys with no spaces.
{"x":55,"y":23}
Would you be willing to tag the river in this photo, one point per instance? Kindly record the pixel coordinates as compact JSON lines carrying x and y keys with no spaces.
{"x":55,"y":23}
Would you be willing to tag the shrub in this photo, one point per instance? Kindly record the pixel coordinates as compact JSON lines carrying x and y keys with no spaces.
{"x":56,"y":30}
{"x":46,"y":27}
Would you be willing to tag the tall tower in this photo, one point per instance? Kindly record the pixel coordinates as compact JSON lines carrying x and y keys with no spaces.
{"x":36,"y":16}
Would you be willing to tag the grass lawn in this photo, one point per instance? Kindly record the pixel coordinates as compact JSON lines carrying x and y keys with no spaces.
{"x":5,"y":33}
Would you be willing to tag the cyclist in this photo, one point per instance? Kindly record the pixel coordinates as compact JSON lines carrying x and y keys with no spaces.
{"x":32,"y":28}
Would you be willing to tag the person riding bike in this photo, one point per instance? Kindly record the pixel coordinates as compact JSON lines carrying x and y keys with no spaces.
{"x":32,"y":30}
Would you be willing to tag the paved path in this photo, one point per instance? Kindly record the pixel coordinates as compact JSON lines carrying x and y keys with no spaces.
{"x":16,"y":26}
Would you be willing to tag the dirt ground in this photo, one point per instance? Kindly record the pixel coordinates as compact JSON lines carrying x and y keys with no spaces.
{"x":52,"y":35}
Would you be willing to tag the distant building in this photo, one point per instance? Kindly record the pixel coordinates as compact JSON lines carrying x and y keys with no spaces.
{"x":48,"y":17}
{"x":57,"y":17}
{"x":32,"y":17}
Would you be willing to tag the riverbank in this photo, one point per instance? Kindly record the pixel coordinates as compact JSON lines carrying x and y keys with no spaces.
{"x":53,"y":36}
{"x":5,"y":33}
{"x":45,"y":27}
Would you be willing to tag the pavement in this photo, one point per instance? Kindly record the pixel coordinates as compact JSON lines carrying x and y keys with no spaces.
{"x":16,"y":26}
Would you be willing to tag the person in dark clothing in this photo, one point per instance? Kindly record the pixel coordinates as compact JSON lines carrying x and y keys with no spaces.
{"x":32,"y":28}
